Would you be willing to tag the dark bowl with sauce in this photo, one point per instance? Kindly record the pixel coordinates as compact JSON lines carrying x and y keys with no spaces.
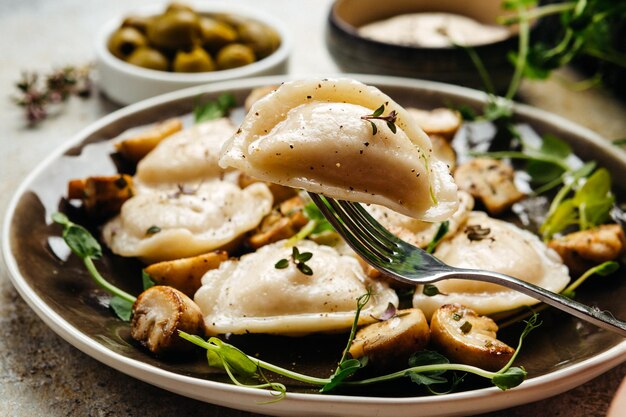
{"x":358,"y":54}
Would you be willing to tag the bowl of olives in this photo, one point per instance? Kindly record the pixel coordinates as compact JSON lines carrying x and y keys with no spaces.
{"x":159,"y":50}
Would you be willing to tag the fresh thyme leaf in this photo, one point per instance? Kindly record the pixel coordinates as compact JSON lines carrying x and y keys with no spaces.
{"x":374,"y":128}
{"x":304,"y":268}
{"x":152,"y":230}
{"x":211,"y":110}
{"x":430,"y":290}
{"x":146,"y":280}
{"x":391,"y":126}
{"x":379,"y":111}
{"x":282,"y":264}
{"x":304,"y":256}
{"x":121,"y":307}
{"x":442,"y":230}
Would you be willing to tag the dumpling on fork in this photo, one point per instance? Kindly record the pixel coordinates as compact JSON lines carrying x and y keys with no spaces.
{"x":326,"y":136}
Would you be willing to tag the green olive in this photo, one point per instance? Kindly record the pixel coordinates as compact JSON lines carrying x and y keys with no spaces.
{"x":176,"y":29}
{"x":197,"y":60}
{"x":138,"y":22}
{"x":175,"y":6}
{"x":125,"y":41}
{"x":147,"y":57}
{"x":261,"y":38}
{"x":216,"y":34}
{"x":234,"y":55}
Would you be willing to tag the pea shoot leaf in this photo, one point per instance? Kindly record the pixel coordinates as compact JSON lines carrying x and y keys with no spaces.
{"x":225,"y":354}
{"x":121,"y":307}
{"x":79,"y":240}
{"x":345,"y":370}
{"x":313,"y":213}
{"x":211,"y":110}
{"x":510,"y":378}
{"x":146,"y":280}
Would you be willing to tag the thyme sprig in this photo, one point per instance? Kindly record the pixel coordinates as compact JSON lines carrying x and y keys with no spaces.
{"x":378,"y":115}
{"x":37,"y":92}
{"x":299,"y":260}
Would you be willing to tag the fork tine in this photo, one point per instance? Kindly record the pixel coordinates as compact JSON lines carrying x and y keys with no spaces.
{"x":368,"y":229}
{"x":370,"y":226}
{"x":361,"y":246}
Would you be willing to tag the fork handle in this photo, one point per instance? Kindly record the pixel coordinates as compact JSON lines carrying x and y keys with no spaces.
{"x":582,"y":311}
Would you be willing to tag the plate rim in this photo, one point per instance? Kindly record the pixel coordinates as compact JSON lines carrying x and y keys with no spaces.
{"x":534,"y":389}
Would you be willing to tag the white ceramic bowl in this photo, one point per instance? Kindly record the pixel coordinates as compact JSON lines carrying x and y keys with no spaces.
{"x":125,"y":83}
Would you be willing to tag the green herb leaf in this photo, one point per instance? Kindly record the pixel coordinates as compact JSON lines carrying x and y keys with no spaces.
{"x":379,"y":111}
{"x":304,"y":256}
{"x":619,"y":142}
{"x":211,"y":110}
{"x":152,"y":230}
{"x":146,"y":280}
{"x":79,"y":240}
{"x":345,"y":370}
{"x":442,"y":230}
{"x":466,"y":327}
{"x":227,"y":354}
{"x":282,"y":264}
{"x":304,"y":268}
{"x":511,"y":378}
{"x":121,"y":307}
{"x":430,"y":290}
{"x":313,"y":213}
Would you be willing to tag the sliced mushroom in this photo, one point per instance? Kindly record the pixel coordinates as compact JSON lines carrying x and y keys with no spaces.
{"x":159,"y":313}
{"x":388,"y":344}
{"x":489,"y":180}
{"x":280,"y":224}
{"x":465,"y":337}
{"x":586,"y":248}
{"x":185,"y":274}
{"x":102,"y":196}
{"x":443,"y":122}
{"x":136,"y":147}
{"x":444,"y":151}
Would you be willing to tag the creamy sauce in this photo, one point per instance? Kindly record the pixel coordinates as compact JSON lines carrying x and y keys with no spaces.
{"x":433,"y":30}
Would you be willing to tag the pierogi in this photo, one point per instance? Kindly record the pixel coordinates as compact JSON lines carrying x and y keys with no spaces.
{"x":251,"y":295}
{"x":190,"y":155}
{"x":164,"y":224}
{"x":311,"y":134}
{"x":493,"y":245}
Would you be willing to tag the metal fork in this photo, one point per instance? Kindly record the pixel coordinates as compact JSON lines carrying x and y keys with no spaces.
{"x":407,"y":263}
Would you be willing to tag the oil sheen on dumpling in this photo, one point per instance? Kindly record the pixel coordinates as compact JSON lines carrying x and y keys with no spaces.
{"x":494,"y":245}
{"x":189,"y":155}
{"x":251,"y":295}
{"x":172,"y":223}
{"x":310,"y":134}
{"x":417,"y":232}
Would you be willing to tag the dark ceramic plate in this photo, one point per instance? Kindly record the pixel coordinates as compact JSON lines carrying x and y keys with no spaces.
{"x":562,"y":354}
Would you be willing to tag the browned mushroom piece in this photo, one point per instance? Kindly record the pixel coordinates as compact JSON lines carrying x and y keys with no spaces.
{"x":442,"y":122}
{"x":444,"y":151}
{"x":465,"y":337}
{"x":185,"y":274}
{"x":388,"y":344}
{"x":134,"y":148}
{"x":158,"y":314}
{"x":282,"y":223}
{"x":102,"y":196}
{"x":586,"y":248}
{"x":490,"y":181}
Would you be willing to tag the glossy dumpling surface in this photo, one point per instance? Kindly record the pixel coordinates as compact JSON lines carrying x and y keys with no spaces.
{"x":161,"y":224}
{"x":494,"y":245}
{"x":190,"y":155}
{"x":310,"y":134}
{"x":251,"y":295}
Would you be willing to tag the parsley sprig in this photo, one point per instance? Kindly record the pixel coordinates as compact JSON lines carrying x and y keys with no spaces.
{"x":214,"y":109}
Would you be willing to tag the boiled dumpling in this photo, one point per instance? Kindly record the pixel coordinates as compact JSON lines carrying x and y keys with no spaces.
{"x":251,"y":295}
{"x":164,"y":224}
{"x":493,"y":245}
{"x":190,"y":155}
{"x":417,"y":232}
{"x":310,"y":134}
